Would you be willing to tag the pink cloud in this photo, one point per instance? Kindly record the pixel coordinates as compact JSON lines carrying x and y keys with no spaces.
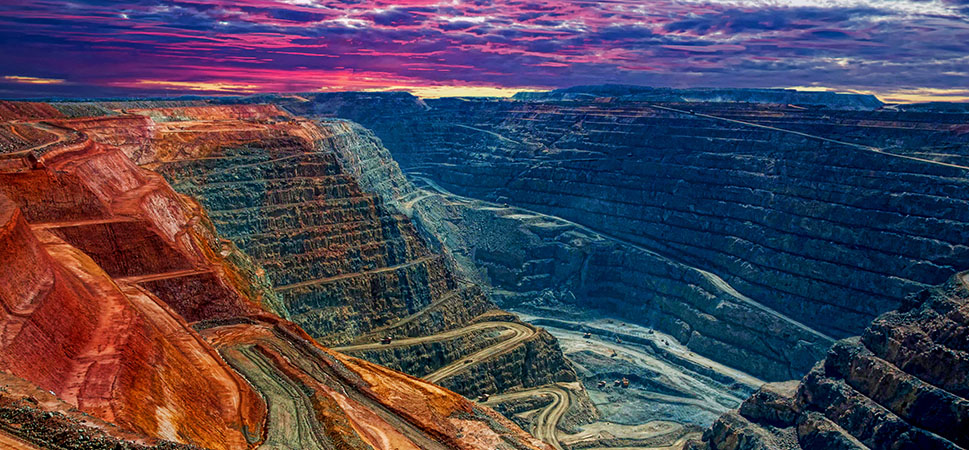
{"x":268,"y":45}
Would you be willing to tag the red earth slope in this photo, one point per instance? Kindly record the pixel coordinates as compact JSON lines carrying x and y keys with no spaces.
{"x":108,"y":274}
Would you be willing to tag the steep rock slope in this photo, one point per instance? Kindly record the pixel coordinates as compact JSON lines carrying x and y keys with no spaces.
{"x":94,"y":334}
{"x":822,"y":217}
{"x":119,"y":298}
{"x":314,"y":204}
{"x":543,"y":263}
{"x":902,"y":384}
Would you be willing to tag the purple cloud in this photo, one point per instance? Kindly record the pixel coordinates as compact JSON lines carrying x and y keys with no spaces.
{"x":134,"y":47}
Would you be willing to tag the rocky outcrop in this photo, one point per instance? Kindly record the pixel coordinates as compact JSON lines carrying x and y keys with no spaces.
{"x":32,"y":418}
{"x":902,"y":384}
{"x":823,"y":217}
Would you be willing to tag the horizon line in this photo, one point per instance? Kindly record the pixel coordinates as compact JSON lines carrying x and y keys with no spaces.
{"x":897,"y":96}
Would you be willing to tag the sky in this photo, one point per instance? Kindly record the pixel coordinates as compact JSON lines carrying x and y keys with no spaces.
{"x":900,"y":50}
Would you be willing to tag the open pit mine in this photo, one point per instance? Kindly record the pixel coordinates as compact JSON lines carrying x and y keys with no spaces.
{"x":588,"y":268}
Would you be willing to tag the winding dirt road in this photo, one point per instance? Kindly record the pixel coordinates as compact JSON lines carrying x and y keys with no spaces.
{"x":355,"y":274}
{"x":521,"y":334}
{"x":376,"y":333}
{"x":515,"y":334}
{"x":547,"y":420}
{"x":29,"y":156}
{"x":298,"y":382}
{"x":482,"y":130}
{"x":59,"y":133}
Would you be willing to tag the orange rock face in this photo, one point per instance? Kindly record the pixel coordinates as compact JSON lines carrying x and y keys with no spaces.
{"x":78,"y":321}
{"x":11,"y":111}
{"x":108,"y":274}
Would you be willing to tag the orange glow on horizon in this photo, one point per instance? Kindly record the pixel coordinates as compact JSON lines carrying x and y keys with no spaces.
{"x":911,"y":95}
{"x":197,"y":86}
{"x":457,"y":91}
{"x":32,"y":80}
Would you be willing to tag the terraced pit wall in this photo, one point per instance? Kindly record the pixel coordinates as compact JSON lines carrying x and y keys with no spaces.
{"x":126,"y":320}
{"x":315,"y":206}
{"x":823,"y":233}
{"x":546,"y":264}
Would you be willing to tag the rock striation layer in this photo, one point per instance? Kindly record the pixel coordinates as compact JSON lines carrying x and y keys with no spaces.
{"x":119,"y":297}
{"x":902,"y":384}
{"x":820,"y":218}
{"x":95,"y":334}
{"x":314,"y":204}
